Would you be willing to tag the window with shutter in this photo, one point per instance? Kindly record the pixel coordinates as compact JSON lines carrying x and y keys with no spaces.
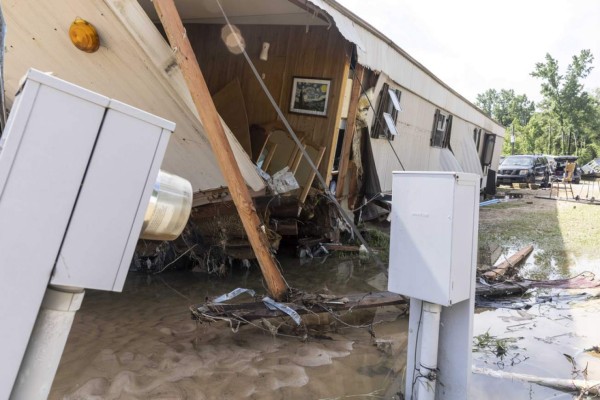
{"x":442,"y":127}
{"x":384,"y":124}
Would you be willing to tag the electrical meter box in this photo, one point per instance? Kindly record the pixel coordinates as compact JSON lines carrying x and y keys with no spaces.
{"x":433,"y":242}
{"x":77,"y":170}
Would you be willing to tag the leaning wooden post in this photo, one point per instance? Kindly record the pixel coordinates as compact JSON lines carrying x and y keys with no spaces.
{"x":186,"y":59}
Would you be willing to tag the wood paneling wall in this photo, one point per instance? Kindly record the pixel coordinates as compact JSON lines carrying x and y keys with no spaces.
{"x":318,"y":53}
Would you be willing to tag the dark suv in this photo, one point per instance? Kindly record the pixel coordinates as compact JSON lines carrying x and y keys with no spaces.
{"x":523,"y":169}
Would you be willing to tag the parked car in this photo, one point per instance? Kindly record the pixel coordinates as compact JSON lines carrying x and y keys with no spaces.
{"x":561,"y":163}
{"x":523,"y":169}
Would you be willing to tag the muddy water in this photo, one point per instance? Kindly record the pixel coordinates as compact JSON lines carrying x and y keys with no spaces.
{"x":141,"y":344}
{"x":538,"y":341}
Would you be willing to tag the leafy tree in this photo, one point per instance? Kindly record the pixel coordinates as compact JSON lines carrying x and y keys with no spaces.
{"x":505,"y":106}
{"x":567,"y":106}
{"x":567,"y":120}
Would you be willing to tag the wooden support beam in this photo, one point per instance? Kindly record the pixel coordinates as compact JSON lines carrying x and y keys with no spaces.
{"x":350,"y":126}
{"x":186,"y":59}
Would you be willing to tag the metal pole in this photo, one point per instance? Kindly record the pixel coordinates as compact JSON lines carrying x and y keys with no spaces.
{"x":429,"y":351}
{"x":512,"y":141}
{"x":46,"y":343}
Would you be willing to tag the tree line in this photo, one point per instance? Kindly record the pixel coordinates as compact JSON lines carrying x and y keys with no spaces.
{"x":565,"y":121}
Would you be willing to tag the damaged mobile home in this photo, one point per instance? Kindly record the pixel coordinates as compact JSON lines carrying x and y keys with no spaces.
{"x":360,"y":106}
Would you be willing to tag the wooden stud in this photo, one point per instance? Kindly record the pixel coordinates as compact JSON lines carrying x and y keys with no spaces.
{"x":350,"y":125}
{"x":186,"y":59}
{"x":332,"y":145}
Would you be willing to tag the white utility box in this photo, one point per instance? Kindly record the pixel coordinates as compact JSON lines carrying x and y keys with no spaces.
{"x":433,"y":232}
{"x":77,"y":170}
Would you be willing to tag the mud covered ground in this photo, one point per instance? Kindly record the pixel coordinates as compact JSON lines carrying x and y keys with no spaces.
{"x":142,"y":344}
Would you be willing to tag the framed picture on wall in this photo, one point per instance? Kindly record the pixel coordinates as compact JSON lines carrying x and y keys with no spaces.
{"x":310,"y":96}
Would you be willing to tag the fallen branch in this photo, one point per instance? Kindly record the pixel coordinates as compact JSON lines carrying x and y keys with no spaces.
{"x":565,"y":385}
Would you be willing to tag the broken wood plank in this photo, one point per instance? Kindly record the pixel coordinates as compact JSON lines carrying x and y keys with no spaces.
{"x":270,"y":149}
{"x":349,"y":132}
{"x":287,"y":150}
{"x":258,"y":139}
{"x":188,"y":63}
{"x":340,"y":247}
{"x":296,"y":159}
{"x":286,"y":227}
{"x":305,"y":174}
{"x":510,"y":264}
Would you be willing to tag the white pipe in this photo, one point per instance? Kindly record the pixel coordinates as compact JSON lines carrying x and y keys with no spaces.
{"x":430,"y":330}
{"x":46,"y":343}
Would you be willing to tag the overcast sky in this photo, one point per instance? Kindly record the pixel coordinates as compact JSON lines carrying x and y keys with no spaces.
{"x":474,"y":45}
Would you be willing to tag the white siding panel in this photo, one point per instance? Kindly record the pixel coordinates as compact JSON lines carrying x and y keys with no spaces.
{"x":412,"y":144}
{"x":134,"y":65}
{"x":464,"y":148}
{"x":376,"y":53}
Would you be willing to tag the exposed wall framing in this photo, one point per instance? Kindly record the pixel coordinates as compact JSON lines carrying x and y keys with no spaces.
{"x":294,"y":51}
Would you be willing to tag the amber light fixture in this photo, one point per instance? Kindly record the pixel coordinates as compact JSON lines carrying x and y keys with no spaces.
{"x":84,"y":36}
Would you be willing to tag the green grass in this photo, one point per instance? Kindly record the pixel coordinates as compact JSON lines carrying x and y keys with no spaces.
{"x":558,"y":234}
{"x":500,"y":347}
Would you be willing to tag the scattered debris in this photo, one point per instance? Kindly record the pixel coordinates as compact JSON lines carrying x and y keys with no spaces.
{"x":301,"y":303}
{"x":521,"y":302}
{"x":585,"y":280}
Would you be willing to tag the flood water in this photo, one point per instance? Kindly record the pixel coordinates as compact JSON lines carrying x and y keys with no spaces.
{"x":142,"y":343}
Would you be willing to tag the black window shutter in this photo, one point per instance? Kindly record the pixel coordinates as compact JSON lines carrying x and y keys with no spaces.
{"x":378,"y":123}
{"x":446,"y":143}
{"x":434,"y":128}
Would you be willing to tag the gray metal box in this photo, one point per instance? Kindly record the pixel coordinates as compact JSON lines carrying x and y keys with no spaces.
{"x":433,"y":235}
{"x":76,"y":174}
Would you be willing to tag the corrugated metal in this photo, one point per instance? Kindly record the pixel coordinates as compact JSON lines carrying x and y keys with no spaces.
{"x":379,"y":53}
{"x":134,"y":65}
{"x":412,"y":145}
{"x":443,"y":160}
{"x":464,"y":148}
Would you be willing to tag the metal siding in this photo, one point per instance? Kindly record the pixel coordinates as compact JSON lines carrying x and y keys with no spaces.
{"x":375,"y":53}
{"x":463,"y":146}
{"x":134,"y":64}
{"x":413,"y":141}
